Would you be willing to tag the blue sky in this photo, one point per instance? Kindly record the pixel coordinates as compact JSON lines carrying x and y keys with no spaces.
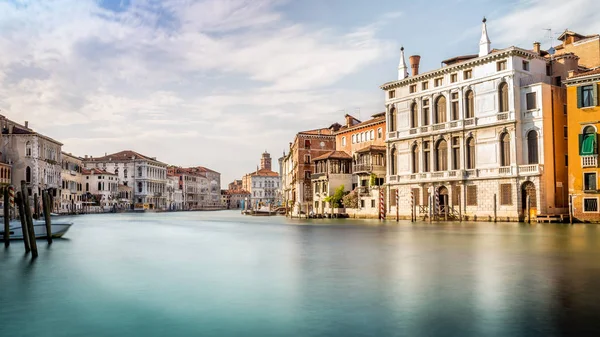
{"x":216,"y":82}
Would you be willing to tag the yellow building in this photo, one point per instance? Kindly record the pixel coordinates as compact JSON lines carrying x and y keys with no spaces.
{"x":583,"y":125}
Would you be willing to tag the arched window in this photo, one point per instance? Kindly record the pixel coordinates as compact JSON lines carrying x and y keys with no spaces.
{"x":28,"y":174}
{"x":117,"y":171}
{"x":441,"y":155}
{"x":392,"y":119}
{"x":532,"y":147}
{"x":28,"y":149}
{"x":504,"y":149}
{"x":415,"y":159}
{"x":139,"y":171}
{"x":379,"y":133}
{"x":393,"y":162}
{"x":414,"y":116}
{"x":353,"y":138}
{"x":87,"y":187}
{"x":470,"y":153}
{"x":588,"y":143}
{"x":469,"y":105}
{"x":99,"y":186}
{"x":440,"y":110}
{"x":140,"y":187}
{"x":343,"y":141}
{"x":503,"y":97}
{"x":372,"y":134}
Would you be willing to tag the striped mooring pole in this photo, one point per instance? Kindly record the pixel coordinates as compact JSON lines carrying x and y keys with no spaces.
{"x":412,"y":203}
{"x":11,"y":196}
{"x":381,"y":205}
{"x":437,"y":202}
{"x":397,"y":205}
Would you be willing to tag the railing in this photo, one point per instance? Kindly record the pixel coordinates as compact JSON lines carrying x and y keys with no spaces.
{"x":317,"y":175}
{"x":437,"y":127}
{"x":589,"y":161}
{"x":492,"y":172}
{"x":470,"y":122}
{"x":392,"y":134}
{"x":367,"y":168}
{"x":503,"y":116}
{"x":413,"y":131}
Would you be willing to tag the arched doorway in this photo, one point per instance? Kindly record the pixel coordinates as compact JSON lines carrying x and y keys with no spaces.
{"x":443,"y":202}
{"x":528,"y":189}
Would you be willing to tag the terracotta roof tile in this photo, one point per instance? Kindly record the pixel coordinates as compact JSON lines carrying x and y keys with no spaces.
{"x":264,"y":173}
{"x":333,"y":155}
{"x":122,"y":155}
{"x":95,"y":171}
{"x":587,"y":73}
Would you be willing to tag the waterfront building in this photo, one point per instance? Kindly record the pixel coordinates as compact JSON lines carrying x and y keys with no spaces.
{"x":297,"y":167}
{"x":34,"y":158}
{"x":71,"y":193}
{"x":484,"y":127}
{"x":365,"y":142}
{"x":174,"y":193}
{"x":584,"y":122}
{"x":210,"y":188}
{"x":125,"y":197}
{"x":235,"y":185}
{"x":146,"y":175}
{"x":331,"y":171}
{"x":263,"y":184}
{"x":101,"y":189}
{"x":237,"y":199}
{"x":189,"y":182}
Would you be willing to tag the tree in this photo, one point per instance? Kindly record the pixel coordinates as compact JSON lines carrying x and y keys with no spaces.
{"x":336,"y":198}
{"x":373,"y":179}
{"x":351,"y":200}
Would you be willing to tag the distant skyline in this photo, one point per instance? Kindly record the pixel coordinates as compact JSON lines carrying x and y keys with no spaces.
{"x":216,"y":82}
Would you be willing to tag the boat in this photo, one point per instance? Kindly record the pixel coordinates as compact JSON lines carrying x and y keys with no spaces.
{"x":59,"y":228}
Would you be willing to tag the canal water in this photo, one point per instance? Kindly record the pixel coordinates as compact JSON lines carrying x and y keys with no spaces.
{"x":222,"y":274}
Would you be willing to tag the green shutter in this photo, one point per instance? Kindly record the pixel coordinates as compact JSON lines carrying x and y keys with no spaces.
{"x":595,"y":94}
{"x":579,"y":97}
{"x":587,"y":144}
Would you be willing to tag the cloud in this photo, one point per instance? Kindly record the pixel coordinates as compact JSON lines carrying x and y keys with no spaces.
{"x":186,"y":81}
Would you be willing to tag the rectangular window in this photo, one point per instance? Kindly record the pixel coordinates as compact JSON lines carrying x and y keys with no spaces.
{"x":455,"y":196}
{"x":412,"y":89}
{"x":426,"y":196}
{"x":307,"y":144}
{"x":455,"y":153}
{"x":393,"y":193}
{"x":425,"y":85}
{"x":566,"y":160}
{"x":564,"y":109}
{"x":590,"y":204}
{"x":566,"y":132}
{"x":353,"y":138}
{"x":525,"y":65}
{"x":307,"y":159}
{"x":589,"y":181}
{"x":307,"y":174}
{"x":467,"y":74}
{"x":586,"y":96}
{"x":343,"y":141}
{"x":372,"y":203}
{"x":362,"y":203}
{"x":425,"y":118}
{"x":453,"y":78}
{"x":548,"y":70}
{"x":415,"y":194}
{"x":505,"y":194}
{"x":454,"y":106}
{"x":438,"y":81}
{"x":392,"y":94}
{"x":531,"y":100}
{"x":316,"y":205}
{"x":501,"y":65}
{"x":426,"y":156}
{"x":471,"y":195}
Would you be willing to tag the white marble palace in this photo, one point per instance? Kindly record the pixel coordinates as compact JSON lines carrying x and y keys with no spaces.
{"x":472,"y":131}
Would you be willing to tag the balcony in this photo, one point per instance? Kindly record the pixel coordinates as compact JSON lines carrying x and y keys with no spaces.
{"x":318,"y":175}
{"x":589,"y":161}
{"x":455,"y":175}
{"x":368,"y":168}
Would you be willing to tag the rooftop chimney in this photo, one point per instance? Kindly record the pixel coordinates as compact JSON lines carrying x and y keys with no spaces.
{"x":26,"y":124}
{"x":348,"y":120}
{"x":414,"y":64}
{"x":536,"y":47}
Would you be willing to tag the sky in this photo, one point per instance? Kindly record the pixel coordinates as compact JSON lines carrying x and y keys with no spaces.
{"x":217,"y":82}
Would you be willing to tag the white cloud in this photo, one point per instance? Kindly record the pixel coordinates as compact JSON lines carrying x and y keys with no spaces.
{"x":185,"y":81}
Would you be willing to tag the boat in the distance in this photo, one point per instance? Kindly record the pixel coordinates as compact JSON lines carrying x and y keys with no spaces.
{"x":59,"y":228}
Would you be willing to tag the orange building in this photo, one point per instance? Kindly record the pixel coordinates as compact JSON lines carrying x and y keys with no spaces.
{"x":584,"y":122}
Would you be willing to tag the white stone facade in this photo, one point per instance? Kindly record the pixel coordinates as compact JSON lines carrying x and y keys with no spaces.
{"x":72,"y":184}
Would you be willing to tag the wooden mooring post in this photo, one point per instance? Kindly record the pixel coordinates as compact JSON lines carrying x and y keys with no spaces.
{"x":29,"y":219}
{"x":495,"y":208}
{"x":446,"y":206}
{"x":36,"y":206}
{"x":459,"y":207}
{"x":21,"y":207}
{"x":570,"y":209}
{"x":6,"y":218}
{"x":47,"y":219}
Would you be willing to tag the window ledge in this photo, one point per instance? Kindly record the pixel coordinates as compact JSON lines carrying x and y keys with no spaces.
{"x":588,"y":107}
{"x":532,"y":110}
{"x":591,"y":191}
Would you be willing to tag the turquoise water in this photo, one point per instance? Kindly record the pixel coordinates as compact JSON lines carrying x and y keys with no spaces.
{"x":222,"y":274}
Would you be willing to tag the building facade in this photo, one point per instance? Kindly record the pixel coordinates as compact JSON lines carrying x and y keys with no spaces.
{"x":71,"y":194}
{"x":297,"y":166}
{"x":146,"y":175}
{"x":476,"y":130}
{"x":34,"y":158}
{"x":263,"y":185}
{"x":331,"y":171}
{"x":584,"y":122}
{"x":174,"y":193}
{"x":101,"y":189}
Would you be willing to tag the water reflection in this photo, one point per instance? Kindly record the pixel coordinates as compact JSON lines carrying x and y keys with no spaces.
{"x":218,"y":273}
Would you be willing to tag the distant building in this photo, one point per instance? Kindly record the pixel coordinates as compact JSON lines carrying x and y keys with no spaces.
{"x":263,"y":184}
{"x":71,"y":194}
{"x":174,"y":193}
{"x":101,"y":188}
{"x":235,"y":185}
{"x":34,"y":158}
{"x":146,"y":175}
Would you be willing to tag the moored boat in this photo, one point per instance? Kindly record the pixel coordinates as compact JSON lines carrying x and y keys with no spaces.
{"x":59,"y":228}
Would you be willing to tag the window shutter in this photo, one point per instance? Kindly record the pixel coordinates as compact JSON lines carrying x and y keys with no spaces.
{"x":579,"y":102}
{"x":580,"y":137}
{"x":595,"y":94}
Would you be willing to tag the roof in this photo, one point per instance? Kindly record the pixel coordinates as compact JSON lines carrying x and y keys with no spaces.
{"x":333,"y":155}
{"x":376,"y":120}
{"x":264,"y":173}
{"x":236,"y":192}
{"x":321,"y":131}
{"x":567,"y":32}
{"x":121,"y":156}
{"x":372,"y":148}
{"x":586,"y":73}
{"x":95,"y":171}
{"x":459,"y":59}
